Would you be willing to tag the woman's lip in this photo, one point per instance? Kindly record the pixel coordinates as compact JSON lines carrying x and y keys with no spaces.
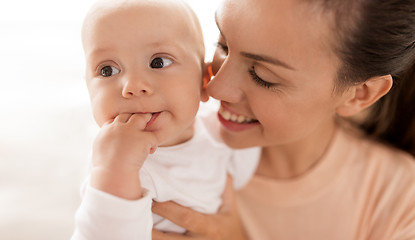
{"x":234,"y":126}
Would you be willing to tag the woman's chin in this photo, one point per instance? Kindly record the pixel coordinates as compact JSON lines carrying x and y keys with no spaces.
{"x":236,"y":142}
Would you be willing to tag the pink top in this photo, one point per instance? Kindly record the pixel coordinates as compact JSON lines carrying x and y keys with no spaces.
{"x":360,"y":190}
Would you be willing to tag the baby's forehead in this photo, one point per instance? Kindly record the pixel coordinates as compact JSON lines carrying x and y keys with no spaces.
{"x":171,"y":10}
{"x":167,"y":17}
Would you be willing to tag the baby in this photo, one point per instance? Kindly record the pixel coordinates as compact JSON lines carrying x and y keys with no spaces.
{"x":145,"y":71}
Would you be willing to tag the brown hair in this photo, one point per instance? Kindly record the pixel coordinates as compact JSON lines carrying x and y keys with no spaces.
{"x":376,"y":38}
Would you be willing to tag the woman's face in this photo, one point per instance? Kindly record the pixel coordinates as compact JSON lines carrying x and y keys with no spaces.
{"x":275,"y":72}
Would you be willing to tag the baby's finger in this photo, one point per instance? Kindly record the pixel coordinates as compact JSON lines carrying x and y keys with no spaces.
{"x":140,"y":119}
{"x":123,"y":117}
{"x":108,"y":122}
{"x":151,"y":140}
{"x":153,"y":149}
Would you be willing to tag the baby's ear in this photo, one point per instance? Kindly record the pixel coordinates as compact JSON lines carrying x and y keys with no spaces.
{"x":207,"y":75}
{"x":364,"y":95}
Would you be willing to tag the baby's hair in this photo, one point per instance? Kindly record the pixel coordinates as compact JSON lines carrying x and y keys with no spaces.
{"x":188,"y":13}
{"x":376,"y":38}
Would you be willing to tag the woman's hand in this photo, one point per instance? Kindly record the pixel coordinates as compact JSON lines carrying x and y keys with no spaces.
{"x":223,"y":225}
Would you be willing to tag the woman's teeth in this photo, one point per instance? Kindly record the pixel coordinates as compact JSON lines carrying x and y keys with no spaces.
{"x":235,"y":118}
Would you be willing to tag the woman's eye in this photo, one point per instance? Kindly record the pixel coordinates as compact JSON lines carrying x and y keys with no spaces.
{"x":222,"y":47}
{"x":160,"y":62}
{"x":259,"y":81}
{"x":108,"y":71}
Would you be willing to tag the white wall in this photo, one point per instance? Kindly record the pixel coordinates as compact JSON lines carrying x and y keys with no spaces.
{"x":46,"y":128}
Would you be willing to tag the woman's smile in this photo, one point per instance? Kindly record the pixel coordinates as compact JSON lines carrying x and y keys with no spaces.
{"x":235,"y":122}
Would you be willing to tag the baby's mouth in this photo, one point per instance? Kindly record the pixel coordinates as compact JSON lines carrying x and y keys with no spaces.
{"x":153,"y":118}
{"x":232,"y":117}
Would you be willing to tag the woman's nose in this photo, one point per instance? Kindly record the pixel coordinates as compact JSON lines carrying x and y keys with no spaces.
{"x":136,"y":85}
{"x":225,"y":85}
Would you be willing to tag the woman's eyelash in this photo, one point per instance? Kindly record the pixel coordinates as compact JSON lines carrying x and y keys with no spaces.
{"x":222,"y":46}
{"x":259,"y":80}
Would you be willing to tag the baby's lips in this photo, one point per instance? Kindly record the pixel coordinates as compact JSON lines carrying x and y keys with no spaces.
{"x":148,"y":117}
{"x":152,"y":118}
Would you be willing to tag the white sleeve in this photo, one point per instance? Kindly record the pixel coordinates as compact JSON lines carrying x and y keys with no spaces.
{"x":104,"y":216}
{"x":244,"y":162}
{"x":243,"y":165}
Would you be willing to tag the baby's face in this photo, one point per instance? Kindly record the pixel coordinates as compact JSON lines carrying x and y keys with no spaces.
{"x":142,"y":59}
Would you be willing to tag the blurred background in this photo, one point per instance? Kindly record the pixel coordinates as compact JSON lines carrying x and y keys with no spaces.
{"x":46,"y":125}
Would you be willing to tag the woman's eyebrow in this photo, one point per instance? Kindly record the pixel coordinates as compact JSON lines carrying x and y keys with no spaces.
{"x":267,"y":59}
{"x":257,"y":57}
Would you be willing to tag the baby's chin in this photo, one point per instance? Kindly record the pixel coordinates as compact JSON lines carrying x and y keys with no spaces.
{"x":168,"y":140}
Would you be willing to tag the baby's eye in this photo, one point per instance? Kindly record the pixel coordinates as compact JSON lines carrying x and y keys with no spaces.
{"x":108,"y":71}
{"x":160,"y":62}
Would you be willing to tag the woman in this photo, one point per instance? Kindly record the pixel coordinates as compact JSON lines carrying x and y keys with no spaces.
{"x":330,"y":86}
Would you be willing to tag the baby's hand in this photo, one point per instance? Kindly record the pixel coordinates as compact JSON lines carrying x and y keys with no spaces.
{"x":123,"y":143}
{"x":119,"y":151}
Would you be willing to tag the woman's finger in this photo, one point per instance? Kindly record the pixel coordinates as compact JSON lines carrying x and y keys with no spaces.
{"x":185,"y":217}
{"x":228,"y":197}
{"x":157,"y":235}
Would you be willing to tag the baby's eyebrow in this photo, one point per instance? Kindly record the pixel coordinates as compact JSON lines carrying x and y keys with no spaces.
{"x":94,"y":52}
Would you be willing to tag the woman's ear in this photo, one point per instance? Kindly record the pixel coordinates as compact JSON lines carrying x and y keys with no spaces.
{"x":362,"y":96}
{"x":207,"y":76}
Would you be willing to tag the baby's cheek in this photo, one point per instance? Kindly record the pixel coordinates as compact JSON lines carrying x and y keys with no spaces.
{"x":99,"y":119}
{"x":100,"y":112}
